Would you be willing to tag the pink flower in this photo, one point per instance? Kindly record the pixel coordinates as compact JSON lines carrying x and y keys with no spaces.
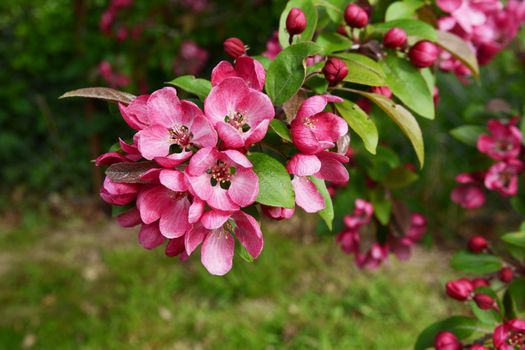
{"x":361,"y":216}
{"x":173,"y":123}
{"x":250,"y":70}
{"x":418,"y":227}
{"x":510,"y":335}
{"x":503,"y":177}
{"x":240,"y":114}
{"x":118,"y":193}
{"x":167,"y":203}
{"x":273,"y":47}
{"x":128,"y":153}
{"x":372,"y":259}
{"x":469,"y":194}
{"x":135,"y":114}
{"x":314,"y":130}
{"x":503,"y":143}
{"x":349,"y":240}
{"x":218,"y":244}
{"x":223,"y":179}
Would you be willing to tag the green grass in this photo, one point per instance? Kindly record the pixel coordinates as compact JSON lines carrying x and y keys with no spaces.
{"x":90,"y":286}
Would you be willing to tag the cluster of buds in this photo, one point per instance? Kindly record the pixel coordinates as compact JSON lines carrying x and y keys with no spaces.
{"x":503,"y":144}
{"x":112,"y":78}
{"x":108,"y":22}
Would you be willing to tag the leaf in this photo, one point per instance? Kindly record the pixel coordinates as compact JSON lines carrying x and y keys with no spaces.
{"x":275,"y":185}
{"x":332,"y":42}
{"x":468,"y":134}
{"x":286,"y":73}
{"x":515,"y":244}
{"x":129,"y":172}
{"x":327,"y":214}
{"x":199,"y":87}
{"x":280,"y":129}
{"x":461,"y":326}
{"x":101,"y":93}
{"x":478,"y":264}
{"x":310,"y":13}
{"x":243,"y":253}
{"x":407,"y":83}
{"x":334,"y":8}
{"x":382,"y":206}
{"x":459,"y":49}
{"x":412,"y":27}
{"x":402,"y":9}
{"x":399,"y":177}
{"x":516,"y":292}
{"x":363,"y":70}
{"x":361,"y":123}
{"x":403,"y":118}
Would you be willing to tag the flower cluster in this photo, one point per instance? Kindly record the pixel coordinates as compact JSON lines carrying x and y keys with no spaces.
{"x":503,"y":144}
{"x":112,"y":78}
{"x":398,"y":243}
{"x":108,"y":24}
{"x":486,"y":25}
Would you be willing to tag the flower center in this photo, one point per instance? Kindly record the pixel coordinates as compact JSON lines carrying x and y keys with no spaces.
{"x":238,"y":121}
{"x":503,"y":146}
{"x":176,"y":195}
{"x":221,"y":174}
{"x":181,"y":136}
{"x":516,"y":339}
{"x":309,"y":123}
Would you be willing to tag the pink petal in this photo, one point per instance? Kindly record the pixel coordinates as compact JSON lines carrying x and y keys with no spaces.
{"x":196,"y":210}
{"x":231,"y":136}
{"x":329,"y":127}
{"x":244,"y":187}
{"x":201,"y":186}
{"x":201,"y":161}
{"x":248,"y":232}
{"x":194,"y":237}
{"x":256,"y":107}
{"x":252,"y":71}
{"x":174,"y":180}
{"x":118,"y":193}
{"x":306,"y":195}
{"x":214,"y":219}
{"x":222,"y":71}
{"x":224,"y":98}
{"x":303,"y":165}
{"x":449,"y":5}
{"x":129,"y":218}
{"x":217,"y":252}
{"x":203,"y":133}
{"x":150,"y":237}
{"x":173,"y":159}
{"x":130,"y":149}
{"x":174,"y":218}
{"x":151,"y":175}
{"x":256,"y":134}
{"x":164,"y":107}
{"x":304,"y":138}
{"x":150,"y":203}
{"x":175,"y":247}
{"x":332,"y":168}
{"x":219,"y":199}
{"x":135,"y":114}
{"x":238,"y":158}
{"x":154,"y":141}
{"x":110,"y":158}
{"x":315,"y":104}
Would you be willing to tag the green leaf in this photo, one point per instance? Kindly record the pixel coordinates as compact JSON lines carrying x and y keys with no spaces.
{"x":243,"y":253}
{"x":518,"y":204}
{"x":403,"y":118}
{"x":363,"y":70}
{"x":399,"y":177}
{"x":478,"y":264}
{"x":407,"y":83}
{"x":515,"y":244}
{"x":459,"y":49}
{"x":327,"y":214}
{"x":332,"y":42}
{"x":101,"y":93}
{"x":402,"y":9}
{"x":310,"y":13}
{"x":468,"y":134}
{"x":412,"y":27}
{"x":430,"y":79}
{"x":196,"y":86}
{"x":334,"y":8}
{"x":516,"y":292}
{"x":522,"y":129}
{"x":275,"y":185}
{"x":286,"y":73}
{"x":360,"y":122}
{"x":382,"y":206}
{"x":280,"y":129}
{"x":461,"y":326}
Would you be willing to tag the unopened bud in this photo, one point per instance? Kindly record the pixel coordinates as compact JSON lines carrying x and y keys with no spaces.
{"x":479,"y":282}
{"x":484,"y":301}
{"x":382,"y":90}
{"x":234,"y":47}
{"x":423,"y":54}
{"x":395,"y":38}
{"x":355,"y":16}
{"x":460,"y":289}
{"x":335,"y":70}
{"x":506,"y":275}
{"x":342,"y":30}
{"x":477,"y":244}
{"x":296,"y":21}
{"x":447,"y":341}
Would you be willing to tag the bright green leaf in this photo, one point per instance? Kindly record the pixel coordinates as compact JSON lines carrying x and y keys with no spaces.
{"x":275,"y":185}
{"x":310,"y":13}
{"x":459,"y":49}
{"x":332,"y":42}
{"x":363,"y":70}
{"x":461,"y":326}
{"x":468,"y":134}
{"x":402,"y":9}
{"x":361,"y":123}
{"x":516,"y":292}
{"x":196,"y":86}
{"x":382,"y":206}
{"x":327,"y":214}
{"x":280,"y":129}
{"x":478,"y":264}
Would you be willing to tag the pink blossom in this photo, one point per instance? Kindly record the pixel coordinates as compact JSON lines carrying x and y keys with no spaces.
{"x":218,"y":244}
{"x":510,"y":335}
{"x":503,"y":177}
{"x":503,"y":143}
{"x":273,"y":47}
{"x":173,"y":122}
{"x":373,"y":258}
{"x":191,"y":59}
{"x":240,"y":114}
{"x":223,"y":179}
{"x":250,"y":70}
{"x":469,"y":194}
{"x":418,"y":227}
{"x":306,"y":195}
{"x":118,"y":193}
{"x":361,"y":216}
{"x":106,"y":21}
{"x":349,"y":240}
{"x":402,"y":246}
{"x":314,"y":130}
{"x":135,"y":114}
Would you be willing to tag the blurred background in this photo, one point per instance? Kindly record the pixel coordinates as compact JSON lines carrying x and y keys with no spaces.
{"x":71,"y":279}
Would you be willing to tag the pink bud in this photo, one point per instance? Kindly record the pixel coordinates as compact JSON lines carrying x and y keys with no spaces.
{"x":506,"y":275}
{"x":355,"y":16}
{"x":423,"y":54}
{"x":460,"y":289}
{"x":395,"y":38}
{"x":335,"y":70}
{"x":484,"y":302}
{"x":477,"y":244}
{"x":382,"y":90}
{"x":342,"y":30}
{"x":296,"y":21}
{"x":479,"y":282}
{"x":234,"y":47}
{"x":447,"y":341}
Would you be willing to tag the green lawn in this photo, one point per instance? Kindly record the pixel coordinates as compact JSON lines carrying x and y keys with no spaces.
{"x":90,"y":286}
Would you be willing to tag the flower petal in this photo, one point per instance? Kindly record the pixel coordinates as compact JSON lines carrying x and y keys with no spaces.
{"x":222,"y":70}
{"x":194,"y":237}
{"x":164,"y":107}
{"x":154,"y":141}
{"x":214,"y":218}
{"x":303,"y":165}
{"x":174,"y":180}
{"x":173,"y":221}
{"x":217,"y":252}
{"x":244,"y":187}
{"x":252,"y":71}
{"x":150,"y":237}
{"x":248,"y":232}
{"x":306,"y":195}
